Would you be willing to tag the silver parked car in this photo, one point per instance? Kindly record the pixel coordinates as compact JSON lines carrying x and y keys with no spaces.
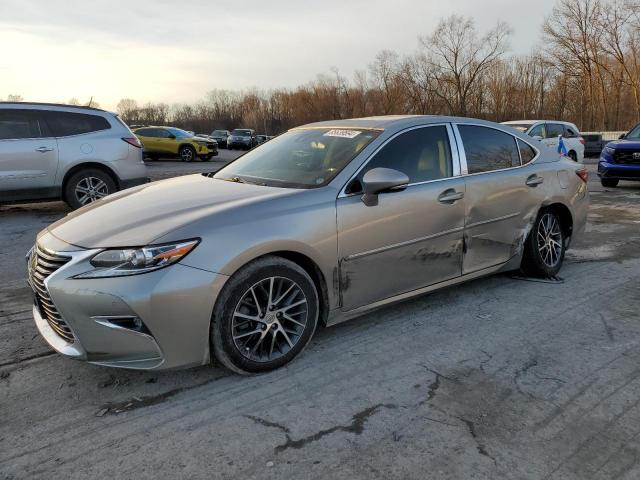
{"x":323,"y":223}
{"x":76,"y":154}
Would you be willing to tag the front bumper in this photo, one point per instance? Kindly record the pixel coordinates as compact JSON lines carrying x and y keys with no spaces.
{"x":173,"y":308}
{"x":617,"y":171}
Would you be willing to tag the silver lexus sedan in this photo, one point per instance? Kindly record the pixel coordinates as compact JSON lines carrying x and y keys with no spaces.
{"x":323,"y":223}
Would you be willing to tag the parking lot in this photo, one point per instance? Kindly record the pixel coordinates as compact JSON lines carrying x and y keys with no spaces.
{"x":501,"y":377}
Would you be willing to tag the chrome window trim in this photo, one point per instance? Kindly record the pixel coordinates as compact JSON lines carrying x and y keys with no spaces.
{"x":453,"y":148}
{"x":463,"y":155}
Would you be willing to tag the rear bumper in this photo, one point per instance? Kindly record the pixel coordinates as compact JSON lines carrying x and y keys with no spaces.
{"x":616,"y":171}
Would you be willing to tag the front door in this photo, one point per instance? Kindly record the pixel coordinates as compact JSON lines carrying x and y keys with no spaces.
{"x":28,"y":154}
{"x":411,"y":238}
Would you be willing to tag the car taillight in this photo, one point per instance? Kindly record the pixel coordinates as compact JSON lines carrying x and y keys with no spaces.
{"x":583,"y":173}
{"x":133,"y":141}
{"x":582,"y":140}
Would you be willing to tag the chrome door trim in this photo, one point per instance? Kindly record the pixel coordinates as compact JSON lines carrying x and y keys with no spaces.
{"x":401,"y":244}
{"x":463,"y":155}
{"x":453,"y":148}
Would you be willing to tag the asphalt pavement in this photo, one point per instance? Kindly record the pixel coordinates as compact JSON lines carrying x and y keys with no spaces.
{"x":497,"y":378}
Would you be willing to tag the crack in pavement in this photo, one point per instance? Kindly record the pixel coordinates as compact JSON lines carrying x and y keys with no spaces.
{"x":356,"y":427}
{"x":482,"y":450}
{"x":268,"y":423}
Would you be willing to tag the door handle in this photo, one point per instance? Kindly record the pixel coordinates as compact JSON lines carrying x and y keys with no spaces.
{"x":534,"y":180}
{"x":44,"y":149}
{"x":450,"y":196}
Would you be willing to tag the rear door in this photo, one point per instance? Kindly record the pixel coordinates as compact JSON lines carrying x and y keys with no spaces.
{"x":500,"y":197}
{"x":28,"y":155}
{"x":148,"y":138}
{"x":553,"y":131}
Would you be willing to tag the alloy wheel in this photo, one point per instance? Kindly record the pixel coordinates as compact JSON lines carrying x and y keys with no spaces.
{"x":90,"y":189}
{"x":270,"y":319}
{"x":186,"y":154}
{"x":549,"y":239}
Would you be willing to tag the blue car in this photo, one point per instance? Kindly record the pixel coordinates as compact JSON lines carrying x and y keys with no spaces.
{"x":620,"y":159}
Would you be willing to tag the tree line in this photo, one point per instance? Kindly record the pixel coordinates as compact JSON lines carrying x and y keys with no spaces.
{"x":585,"y":70}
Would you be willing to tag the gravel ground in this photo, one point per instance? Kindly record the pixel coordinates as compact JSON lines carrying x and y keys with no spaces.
{"x":496,"y":378}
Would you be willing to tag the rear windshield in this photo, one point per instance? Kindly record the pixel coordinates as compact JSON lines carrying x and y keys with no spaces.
{"x":299,"y":158}
{"x":219,"y":132}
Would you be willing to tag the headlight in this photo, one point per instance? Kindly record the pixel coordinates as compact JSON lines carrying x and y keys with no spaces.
{"x":610,"y":150}
{"x":133,"y":261}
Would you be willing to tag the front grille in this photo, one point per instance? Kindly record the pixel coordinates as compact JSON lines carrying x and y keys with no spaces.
{"x":626,"y":157}
{"x":43,"y":263}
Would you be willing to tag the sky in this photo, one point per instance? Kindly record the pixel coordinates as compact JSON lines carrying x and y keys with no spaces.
{"x":176,"y":51}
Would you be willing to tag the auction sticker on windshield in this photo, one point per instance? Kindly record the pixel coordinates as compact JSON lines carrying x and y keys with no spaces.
{"x":342,"y":133}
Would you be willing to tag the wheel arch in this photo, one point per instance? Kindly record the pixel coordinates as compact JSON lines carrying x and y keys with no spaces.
{"x":86,"y":166}
{"x":565,"y":216}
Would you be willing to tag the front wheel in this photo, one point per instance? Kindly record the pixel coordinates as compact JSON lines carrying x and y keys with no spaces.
{"x":187,"y":153}
{"x":609,"y":182}
{"x":545,"y":246}
{"x":88,"y":186}
{"x":264,"y":317}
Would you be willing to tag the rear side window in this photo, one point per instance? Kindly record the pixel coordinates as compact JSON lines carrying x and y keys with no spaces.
{"x":488,"y":149}
{"x":570,"y":132}
{"x":422,"y":154}
{"x":554,"y":130}
{"x":537,"y":131}
{"x":145,"y":132}
{"x":527,"y":153}
{"x":16,"y":124}
{"x":64,"y":124}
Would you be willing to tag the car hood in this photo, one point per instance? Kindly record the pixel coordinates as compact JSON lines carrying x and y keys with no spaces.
{"x":624,"y":144}
{"x":139,"y":215}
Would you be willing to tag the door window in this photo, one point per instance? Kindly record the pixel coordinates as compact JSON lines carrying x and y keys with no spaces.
{"x":488,"y":149}
{"x":537,"y":131}
{"x":422,"y":154}
{"x":16,"y":124}
{"x":570,"y":132}
{"x":145,"y":132}
{"x":554,"y":130}
{"x":64,"y":124}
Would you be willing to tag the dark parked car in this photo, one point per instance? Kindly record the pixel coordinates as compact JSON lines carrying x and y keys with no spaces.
{"x":220,"y":136}
{"x":261,"y":139}
{"x":620,"y":159}
{"x":243,"y":138}
{"x":593,"y":144}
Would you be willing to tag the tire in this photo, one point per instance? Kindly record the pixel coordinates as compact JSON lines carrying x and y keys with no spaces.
{"x":609,"y":182}
{"x":187,"y":153}
{"x":573,"y":156}
{"x":545,"y":246}
{"x":87,"y":186}
{"x":242,"y":340}
{"x":206,"y":158}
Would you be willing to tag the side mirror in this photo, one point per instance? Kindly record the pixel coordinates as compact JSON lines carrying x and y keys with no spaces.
{"x":622,"y":136}
{"x":379,"y":180}
{"x":537,"y":137}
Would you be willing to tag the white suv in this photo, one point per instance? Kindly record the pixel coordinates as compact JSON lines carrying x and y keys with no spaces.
{"x":548,"y":131}
{"x":76,"y":154}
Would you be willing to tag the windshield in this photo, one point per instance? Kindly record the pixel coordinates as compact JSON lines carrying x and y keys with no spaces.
{"x":179,"y":133}
{"x":241,"y":133}
{"x":523,"y":127}
{"x":299,"y":158}
{"x":634,"y":133}
{"x":219,"y":133}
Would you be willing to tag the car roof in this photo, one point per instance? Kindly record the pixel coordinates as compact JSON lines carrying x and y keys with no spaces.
{"x":56,"y":106}
{"x":394,"y":122}
{"x":531,"y":122}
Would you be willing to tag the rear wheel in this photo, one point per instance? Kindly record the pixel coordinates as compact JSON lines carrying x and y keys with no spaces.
{"x":265,"y":316}
{"x":187,"y":153}
{"x":609,"y":182}
{"x":88,"y":186}
{"x":544,"y":248}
